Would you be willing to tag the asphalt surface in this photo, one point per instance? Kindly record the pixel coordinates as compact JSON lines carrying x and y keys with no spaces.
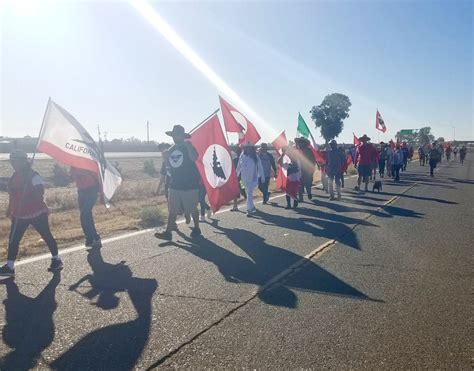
{"x":374,"y":281}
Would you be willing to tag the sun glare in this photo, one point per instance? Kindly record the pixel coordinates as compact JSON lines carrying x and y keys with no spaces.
{"x":155,"y":19}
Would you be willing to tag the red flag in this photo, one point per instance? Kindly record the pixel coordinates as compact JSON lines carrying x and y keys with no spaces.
{"x":318,"y":156}
{"x":280,"y":142}
{"x":345,"y":166}
{"x":356,"y":140}
{"x":380,"y":123}
{"x":215,"y":163}
{"x":236,"y":122}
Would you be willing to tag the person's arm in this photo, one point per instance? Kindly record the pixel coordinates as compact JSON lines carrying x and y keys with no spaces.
{"x":272,"y":162}
{"x":193,"y":155}
{"x":162,"y":177}
{"x":260,"y":173}
{"x":238,"y":169}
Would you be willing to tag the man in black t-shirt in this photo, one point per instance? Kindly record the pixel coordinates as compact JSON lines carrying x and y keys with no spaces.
{"x":184,"y":179}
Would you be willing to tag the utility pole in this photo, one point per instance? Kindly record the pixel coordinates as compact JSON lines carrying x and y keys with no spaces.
{"x":148,"y":131}
{"x":98,"y":131}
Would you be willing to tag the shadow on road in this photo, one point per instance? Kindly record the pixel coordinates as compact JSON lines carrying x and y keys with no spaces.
{"x":317,"y":227}
{"x":116,"y":346}
{"x":29,"y":327}
{"x":262,"y":263}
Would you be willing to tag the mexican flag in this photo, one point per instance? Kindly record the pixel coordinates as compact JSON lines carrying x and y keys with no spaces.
{"x":302,"y":130}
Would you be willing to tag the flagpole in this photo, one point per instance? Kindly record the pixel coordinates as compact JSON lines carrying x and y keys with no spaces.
{"x":203,"y":121}
{"x":41,"y":130}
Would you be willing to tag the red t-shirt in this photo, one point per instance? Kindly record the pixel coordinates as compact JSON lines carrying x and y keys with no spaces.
{"x":84,"y":178}
{"x":366,"y":154}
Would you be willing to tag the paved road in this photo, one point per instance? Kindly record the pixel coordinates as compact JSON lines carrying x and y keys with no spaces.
{"x":373,"y":281}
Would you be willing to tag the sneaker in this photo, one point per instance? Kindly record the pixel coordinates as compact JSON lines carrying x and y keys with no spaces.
{"x":56,"y":265}
{"x":196,"y":232}
{"x":253,"y":211}
{"x":310,"y":196}
{"x":288,"y":207}
{"x":166,"y":235}
{"x":234,"y":209}
{"x":332,"y":198}
{"x":339,"y":197}
{"x":295,"y":205}
{"x":209,"y":213}
{"x":187,"y":218}
{"x":202,"y":218}
{"x":5,"y":271}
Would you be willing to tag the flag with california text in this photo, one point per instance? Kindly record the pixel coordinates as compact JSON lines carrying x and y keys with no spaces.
{"x":65,"y":139}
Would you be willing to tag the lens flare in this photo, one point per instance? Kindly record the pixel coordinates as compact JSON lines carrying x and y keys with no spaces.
{"x":163,"y":27}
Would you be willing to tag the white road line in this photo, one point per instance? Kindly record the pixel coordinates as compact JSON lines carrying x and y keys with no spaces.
{"x":72,"y":249}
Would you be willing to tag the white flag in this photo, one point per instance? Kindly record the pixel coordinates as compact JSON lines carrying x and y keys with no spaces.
{"x":63,"y":138}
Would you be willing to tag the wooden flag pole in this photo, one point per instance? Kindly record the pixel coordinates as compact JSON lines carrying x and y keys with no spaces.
{"x":203,"y":121}
{"x":41,"y":130}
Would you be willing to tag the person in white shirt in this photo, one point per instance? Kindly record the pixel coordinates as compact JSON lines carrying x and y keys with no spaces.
{"x":250,"y":171}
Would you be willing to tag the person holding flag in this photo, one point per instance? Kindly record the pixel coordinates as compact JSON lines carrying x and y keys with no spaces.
{"x":88,"y":189}
{"x":26,"y":207}
{"x":268,"y":165}
{"x":366,"y":156}
{"x":310,"y":157}
{"x":308,"y":165}
{"x":183,"y":196}
{"x":289,"y":163}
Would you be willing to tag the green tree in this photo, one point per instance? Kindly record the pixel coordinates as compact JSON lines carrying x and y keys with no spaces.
{"x":425,"y":136}
{"x":330,"y":114}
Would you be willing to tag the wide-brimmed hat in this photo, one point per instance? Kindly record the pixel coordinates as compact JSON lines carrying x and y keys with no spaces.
{"x":302,"y":140}
{"x":178,"y":131}
{"x":248,"y":144}
{"x":364,"y":138}
{"x":18,"y":154}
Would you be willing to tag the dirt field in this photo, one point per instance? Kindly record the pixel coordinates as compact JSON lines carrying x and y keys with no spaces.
{"x":136,"y":193}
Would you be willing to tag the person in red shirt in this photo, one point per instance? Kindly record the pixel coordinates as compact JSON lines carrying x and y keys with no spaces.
{"x":365,"y":157}
{"x":88,"y":188}
{"x":26,"y":207}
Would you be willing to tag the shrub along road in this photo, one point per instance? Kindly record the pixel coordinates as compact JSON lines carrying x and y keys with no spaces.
{"x":334,"y":284}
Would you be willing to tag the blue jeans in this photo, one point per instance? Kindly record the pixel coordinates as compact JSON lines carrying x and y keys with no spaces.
{"x":337,"y":179}
{"x":87,"y":198}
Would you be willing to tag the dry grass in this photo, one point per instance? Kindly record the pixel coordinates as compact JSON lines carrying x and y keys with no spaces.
{"x":136,"y":193}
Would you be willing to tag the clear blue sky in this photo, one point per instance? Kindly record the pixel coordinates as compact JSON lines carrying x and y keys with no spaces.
{"x":413,"y":60}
